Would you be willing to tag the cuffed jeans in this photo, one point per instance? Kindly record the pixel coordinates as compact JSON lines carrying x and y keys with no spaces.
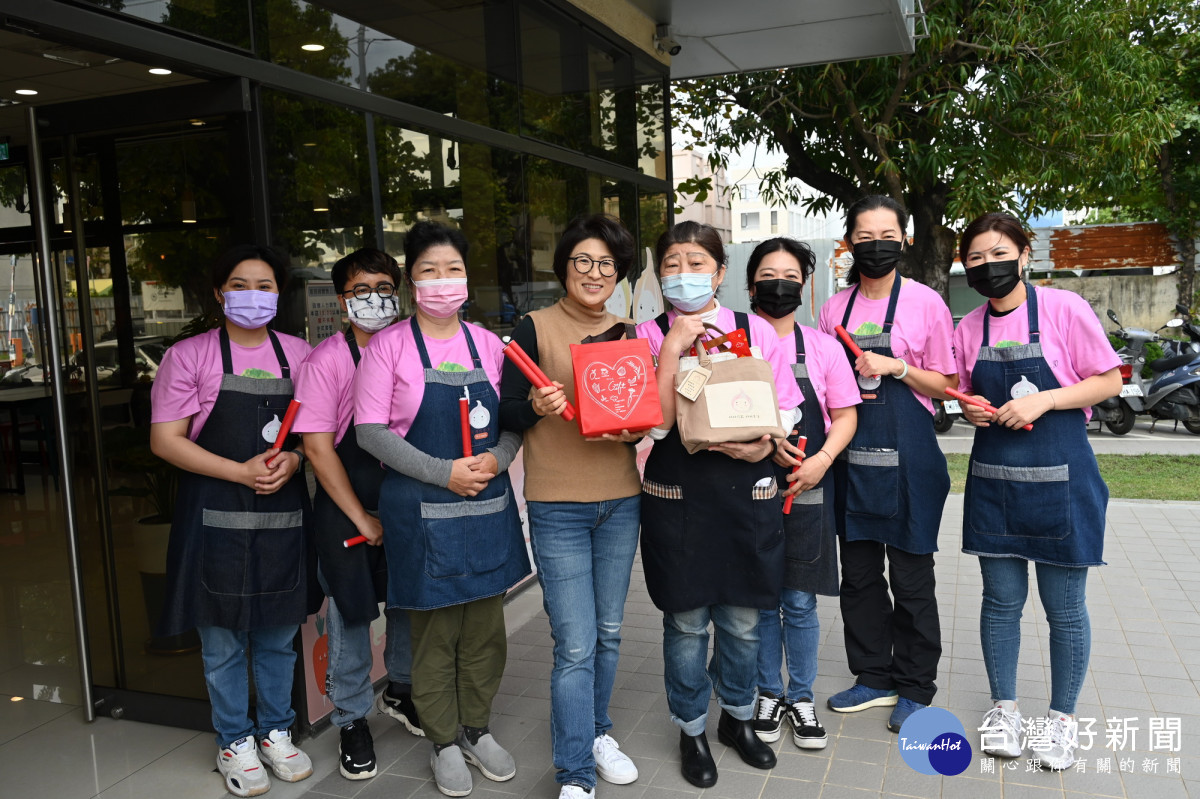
{"x":1062,"y":591}
{"x":732,"y":671}
{"x":273,"y":659}
{"x":798,"y":637}
{"x":348,"y":681}
{"x":584,"y":555}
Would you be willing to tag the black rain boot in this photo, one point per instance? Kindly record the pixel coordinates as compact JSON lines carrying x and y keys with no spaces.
{"x":739,"y":735}
{"x":697,"y":764}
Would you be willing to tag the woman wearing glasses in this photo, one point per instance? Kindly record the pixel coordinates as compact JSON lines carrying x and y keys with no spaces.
{"x":346,"y":505}
{"x":450,"y":526}
{"x":583,"y":499}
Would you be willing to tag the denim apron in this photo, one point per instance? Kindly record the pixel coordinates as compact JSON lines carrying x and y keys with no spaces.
{"x":809,"y":535}
{"x":1034,"y":494}
{"x":443,"y":549}
{"x":356,"y":576}
{"x":710,"y":535}
{"x":891,"y":481}
{"x":236,"y":559}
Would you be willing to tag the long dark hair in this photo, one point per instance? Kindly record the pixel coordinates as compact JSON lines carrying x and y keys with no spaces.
{"x":870,"y":203}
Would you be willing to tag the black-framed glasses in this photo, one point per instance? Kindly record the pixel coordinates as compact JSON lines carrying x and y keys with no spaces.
{"x":583,"y":265}
{"x":362,"y":291}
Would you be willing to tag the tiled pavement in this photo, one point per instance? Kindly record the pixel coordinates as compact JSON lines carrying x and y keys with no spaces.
{"x":1145,"y":663}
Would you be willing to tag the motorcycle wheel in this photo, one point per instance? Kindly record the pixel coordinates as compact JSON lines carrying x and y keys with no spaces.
{"x":942,"y":421}
{"x":1124,"y":421}
{"x":1192,"y":427}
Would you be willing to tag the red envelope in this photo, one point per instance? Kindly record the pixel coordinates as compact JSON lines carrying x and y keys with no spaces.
{"x":615,"y":388}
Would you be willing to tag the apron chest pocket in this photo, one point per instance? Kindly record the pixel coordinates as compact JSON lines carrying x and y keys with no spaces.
{"x":1026,"y":501}
{"x":873,"y":482}
{"x":461,"y":537}
{"x":247,"y":553}
{"x":805,"y":526}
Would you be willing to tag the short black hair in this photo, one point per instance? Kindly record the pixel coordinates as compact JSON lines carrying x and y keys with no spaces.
{"x":605,"y":227}
{"x":368,"y":261}
{"x":228,"y":261}
{"x":424,"y":235}
{"x":797,"y":249}
{"x":870,"y":203}
{"x":689,"y":232}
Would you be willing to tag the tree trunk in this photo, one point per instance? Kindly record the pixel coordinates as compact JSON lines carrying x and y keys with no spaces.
{"x":932,"y":250}
{"x":1185,"y":278}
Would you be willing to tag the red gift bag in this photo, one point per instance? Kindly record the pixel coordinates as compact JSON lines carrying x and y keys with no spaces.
{"x":615,"y":388}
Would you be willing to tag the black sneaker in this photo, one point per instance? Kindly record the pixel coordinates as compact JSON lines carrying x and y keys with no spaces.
{"x":807,"y":732}
{"x":357,"y":761}
{"x":399,"y":705}
{"x":768,"y":717}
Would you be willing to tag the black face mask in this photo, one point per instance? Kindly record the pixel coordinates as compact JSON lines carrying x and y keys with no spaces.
{"x":994,"y":279}
{"x":875,"y":259}
{"x":778,"y":298}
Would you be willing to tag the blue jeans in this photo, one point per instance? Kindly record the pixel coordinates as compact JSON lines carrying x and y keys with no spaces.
{"x":348,"y":681}
{"x":1005,"y":587}
{"x":732,"y":671}
{"x":584,"y":555}
{"x":273,"y":660}
{"x":801,"y":635}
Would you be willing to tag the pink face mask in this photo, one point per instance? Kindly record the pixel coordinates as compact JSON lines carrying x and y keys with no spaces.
{"x":441,"y":298}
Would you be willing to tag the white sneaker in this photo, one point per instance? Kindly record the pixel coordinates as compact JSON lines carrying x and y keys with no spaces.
{"x":1062,"y":735}
{"x":243,"y":772}
{"x":576,"y":792}
{"x":1000,"y":733}
{"x":288,"y":762}
{"x":611,"y":763}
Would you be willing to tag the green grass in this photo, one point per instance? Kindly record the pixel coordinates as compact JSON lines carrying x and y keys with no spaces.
{"x":1128,"y":476}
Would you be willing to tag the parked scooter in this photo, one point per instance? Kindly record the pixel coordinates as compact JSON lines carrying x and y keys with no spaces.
{"x":1171,"y":392}
{"x":944,"y":414}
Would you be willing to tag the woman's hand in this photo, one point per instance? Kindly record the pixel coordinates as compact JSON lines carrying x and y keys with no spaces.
{"x":752,"y":451}
{"x":624,"y":437}
{"x":1020,"y":412}
{"x":549,"y":400}
{"x":683,"y":333}
{"x":371,"y":529}
{"x":788,"y":454}
{"x":270,"y":477}
{"x":468,"y":476}
{"x":974,"y":414}
{"x":810,"y":474}
{"x":870,"y":364}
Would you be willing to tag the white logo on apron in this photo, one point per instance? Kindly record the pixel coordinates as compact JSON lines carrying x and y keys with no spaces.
{"x":1023,"y":388}
{"x":479,"y":417}
{"x":869,"y":382}
{"x":271,"y":429}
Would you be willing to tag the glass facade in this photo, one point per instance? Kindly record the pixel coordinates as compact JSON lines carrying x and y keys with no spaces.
{"x":506,"y":118}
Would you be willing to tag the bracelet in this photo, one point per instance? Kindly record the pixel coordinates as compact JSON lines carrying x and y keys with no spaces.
{"x":1053,"y":401}
{"x":299,"y":455}
{"x":827,"y":455}
{"x":903,"y":374}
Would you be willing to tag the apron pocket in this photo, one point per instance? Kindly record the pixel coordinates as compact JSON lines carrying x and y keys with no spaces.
{"x":768,"y":513}
{"x":805,"y":526}
{"x":1024,"y":501}
{"x":460,"y":537}
{"x":663,"y":522}
{"x":873,"y":483}
{"x":247,"y":553}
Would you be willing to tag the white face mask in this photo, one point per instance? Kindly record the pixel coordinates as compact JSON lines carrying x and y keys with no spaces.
{"x":372,"y":313}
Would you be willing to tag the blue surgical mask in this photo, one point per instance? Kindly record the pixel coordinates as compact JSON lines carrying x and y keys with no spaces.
{"x":688,"y":292}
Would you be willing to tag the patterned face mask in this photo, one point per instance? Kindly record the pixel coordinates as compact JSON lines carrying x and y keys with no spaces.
{"x":372,"y":312}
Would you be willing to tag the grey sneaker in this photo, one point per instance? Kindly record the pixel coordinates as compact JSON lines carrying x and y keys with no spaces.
{"x":450,"y":771}
{"x":489,"y":757}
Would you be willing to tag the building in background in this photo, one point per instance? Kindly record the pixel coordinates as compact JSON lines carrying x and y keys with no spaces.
{"x":755,"y":220}
{"x":687,"y":164}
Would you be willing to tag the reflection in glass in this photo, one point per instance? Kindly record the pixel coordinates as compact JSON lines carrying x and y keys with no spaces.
{"x":227,"y":21}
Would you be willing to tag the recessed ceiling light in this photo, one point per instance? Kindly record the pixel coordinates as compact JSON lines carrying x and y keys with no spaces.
{"x":197,"y":123}
{"x":159,"y":71}
{"x":308,"y":144}
{"x":27,"y":92}
{"x":312,"y":48}
{"x":15,"y":698}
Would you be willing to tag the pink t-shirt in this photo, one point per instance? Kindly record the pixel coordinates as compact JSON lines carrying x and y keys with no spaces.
{"x":323,"y":386}
{"x":921,"y":330}
{"x":1074,"y":343}
{"x":762,"y":335}
{"x":390,"y":383}
{"x":828,"y":370}
{"x":189,"y":377}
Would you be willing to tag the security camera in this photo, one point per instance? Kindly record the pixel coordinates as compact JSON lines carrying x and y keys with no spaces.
{"x":663,"y":42}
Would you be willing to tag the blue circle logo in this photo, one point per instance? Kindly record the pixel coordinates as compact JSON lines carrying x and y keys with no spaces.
{"x":933,"y":741}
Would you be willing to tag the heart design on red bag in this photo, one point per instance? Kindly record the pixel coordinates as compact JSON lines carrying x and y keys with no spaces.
{"x":616,"y":387}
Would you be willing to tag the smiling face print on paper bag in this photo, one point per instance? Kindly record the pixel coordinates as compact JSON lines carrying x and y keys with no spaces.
{"x":616,"y":387}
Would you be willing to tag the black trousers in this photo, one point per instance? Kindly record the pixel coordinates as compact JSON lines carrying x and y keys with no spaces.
{"x":891,"y":646}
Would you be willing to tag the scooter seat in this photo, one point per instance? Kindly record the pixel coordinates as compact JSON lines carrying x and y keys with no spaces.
{"x":1167,"y":364}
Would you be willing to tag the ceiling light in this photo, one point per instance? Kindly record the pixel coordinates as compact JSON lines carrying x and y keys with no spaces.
{"x":312,"y":48}
{"x":188,"y":207}
{"x":15,"y":698}
{"x":197,"y":123}
{"x":27,"y":92}
{"x":159,"y":71}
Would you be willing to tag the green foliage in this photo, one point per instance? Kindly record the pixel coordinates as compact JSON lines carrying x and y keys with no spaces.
{"x":1153,"y":352}
{"x":1005,"y":106}
{"x":1115,"y":341}
{"x":1158,"y":477}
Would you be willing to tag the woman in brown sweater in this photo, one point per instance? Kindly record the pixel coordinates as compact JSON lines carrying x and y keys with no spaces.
{"x":583,"y":497}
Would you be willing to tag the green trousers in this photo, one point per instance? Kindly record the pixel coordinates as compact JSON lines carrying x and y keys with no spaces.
{"x":458,"y":659}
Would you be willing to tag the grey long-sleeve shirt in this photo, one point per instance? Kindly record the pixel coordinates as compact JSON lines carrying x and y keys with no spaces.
{"x":402,"y":456}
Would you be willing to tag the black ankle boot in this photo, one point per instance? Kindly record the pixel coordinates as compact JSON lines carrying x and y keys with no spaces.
{"x":739,"y":735}
{"x":697,"y":764}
